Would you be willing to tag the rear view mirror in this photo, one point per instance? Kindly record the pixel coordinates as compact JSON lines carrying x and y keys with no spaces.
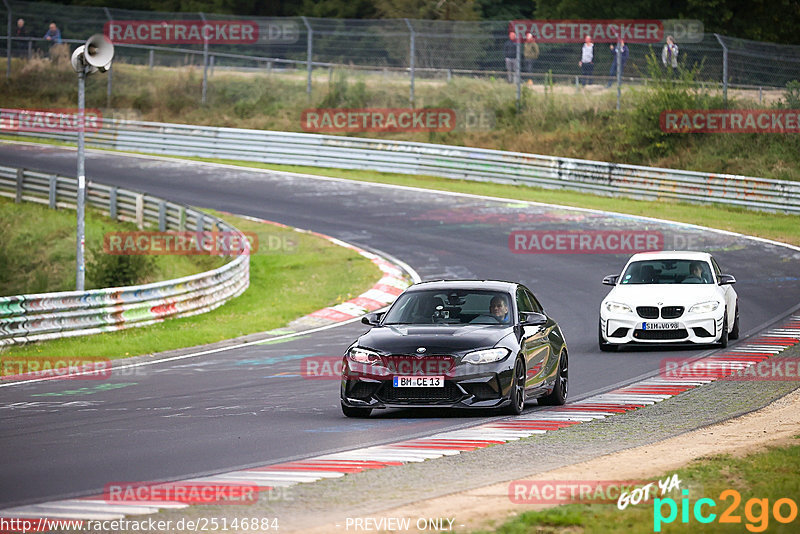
{"x":725,"y":279}
{"x":532,"y":318}
{"x":372,"y":319}
{"x":611,"y":280}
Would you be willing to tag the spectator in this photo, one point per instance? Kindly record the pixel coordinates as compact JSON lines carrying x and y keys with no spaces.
{"x":21,"y":36}
{"x":53,"y":34}
{"x":669,"y":56}
{"x":587,"y":61}
{"x":510,"y":53}
{"x":622,"y":51}
{"x":530,"y":52}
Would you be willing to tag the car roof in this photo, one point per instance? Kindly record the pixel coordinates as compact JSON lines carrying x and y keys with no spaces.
{"x":488,"y":285}
{"x":672,"y":255}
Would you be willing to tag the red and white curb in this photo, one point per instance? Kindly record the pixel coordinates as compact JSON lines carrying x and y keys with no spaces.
{"x":643,"y":393}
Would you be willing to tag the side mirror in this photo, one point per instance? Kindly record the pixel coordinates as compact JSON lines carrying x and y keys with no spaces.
{"x":611,"y":280}
{"x":725,"y":279}
{"x":372,"y":319}
{"x":532,"y":318}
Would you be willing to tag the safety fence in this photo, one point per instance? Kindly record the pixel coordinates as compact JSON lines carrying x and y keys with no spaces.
{"x":446,"y":161}
{"x":25,"y":318}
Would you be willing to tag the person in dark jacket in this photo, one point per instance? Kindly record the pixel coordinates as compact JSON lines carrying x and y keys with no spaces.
{"x":21,"y":35}
{"x":510,"y":54}
{"x":53,"y":34}
{"x":622,"y":50}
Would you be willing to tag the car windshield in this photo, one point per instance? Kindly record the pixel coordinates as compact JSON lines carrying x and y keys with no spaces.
{"x":668,"y":272}
{"x":453,"y":307}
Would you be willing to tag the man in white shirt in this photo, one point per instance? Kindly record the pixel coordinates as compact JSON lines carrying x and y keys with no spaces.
{"x":587,"y":61}
{"x":669,"y":56}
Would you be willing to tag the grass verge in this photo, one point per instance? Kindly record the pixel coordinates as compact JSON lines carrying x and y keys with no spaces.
{"x":286,"y":282}
{"x":766,"y":476}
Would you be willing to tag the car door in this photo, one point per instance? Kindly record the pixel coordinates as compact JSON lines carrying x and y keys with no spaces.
{"x":534,"y":342}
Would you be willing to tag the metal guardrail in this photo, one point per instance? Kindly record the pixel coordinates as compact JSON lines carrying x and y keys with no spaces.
{"x":38,"y":317}
{"x":650,"y":183}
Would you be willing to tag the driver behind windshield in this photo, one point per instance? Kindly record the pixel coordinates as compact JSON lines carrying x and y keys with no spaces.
{"x":498,"y":308}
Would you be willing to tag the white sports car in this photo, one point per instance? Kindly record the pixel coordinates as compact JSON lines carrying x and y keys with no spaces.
{"x":669,"y":297}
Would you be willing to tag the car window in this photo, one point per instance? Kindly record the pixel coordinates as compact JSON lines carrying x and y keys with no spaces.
{"x":668,"y":271}
{"x":537,"y":307}
{"x":523,"y":302}
{"x":454,"y":307}
{"x":717,"y":270}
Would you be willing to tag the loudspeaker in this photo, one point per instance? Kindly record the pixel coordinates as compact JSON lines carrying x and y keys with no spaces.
{"x":97,"y":54}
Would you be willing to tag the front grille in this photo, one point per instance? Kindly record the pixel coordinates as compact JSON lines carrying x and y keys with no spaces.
{"x":660,"y":334}
{"x":671,"y":312}
{"x":449,"y":392}
{"x":699,"y":331}
{"x":620,"y":332}
{"x":647,"y":312}
{"x":362,"y":390}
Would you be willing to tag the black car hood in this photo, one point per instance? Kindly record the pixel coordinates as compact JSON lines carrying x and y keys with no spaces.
{"x":437,"y":339}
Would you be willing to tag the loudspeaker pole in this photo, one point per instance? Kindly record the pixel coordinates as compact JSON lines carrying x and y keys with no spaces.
{"x":80,"y":270}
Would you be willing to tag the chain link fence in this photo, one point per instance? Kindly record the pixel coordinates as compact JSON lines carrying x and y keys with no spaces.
{"x":407,"y":49}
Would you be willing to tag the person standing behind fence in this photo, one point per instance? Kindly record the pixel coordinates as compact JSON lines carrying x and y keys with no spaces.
{"x":530,"y":52}
{"x":510,"y":53}
{"x":587,"y":61}
{"x":53,"y":34}
{"x":622,"y":51}
{"x":669,"y":56}
{"x":21,"y":36}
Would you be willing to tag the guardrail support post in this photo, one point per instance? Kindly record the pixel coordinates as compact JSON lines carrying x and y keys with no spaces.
{"x":200,"y":223}
{"x":20,"y":180}
{"x":211,"y":65}
{"x":52,"y":195}
{"x":140,"y":211}
{"x":112,"y":203}
{"x":309,"y":52}
{"x":162,"y":216}
{"x":181,"y":219}
{"x":150,"y":59}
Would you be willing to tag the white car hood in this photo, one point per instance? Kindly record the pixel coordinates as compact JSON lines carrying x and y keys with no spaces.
{"x":666,"y":294}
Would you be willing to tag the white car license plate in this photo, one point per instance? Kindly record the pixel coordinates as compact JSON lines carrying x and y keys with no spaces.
{"x":418,"y":381}
{"x":659,"y":326}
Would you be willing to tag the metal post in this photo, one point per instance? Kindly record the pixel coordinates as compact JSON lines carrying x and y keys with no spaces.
{"x":150,"y":59}
{"x":517,"y":76}
{"x":411,"y":61}
{"x":724,"y":70}
{"x":205,"y":63}
{"x":619,"y":72}
{"x":110,"y":74}
{"x":8,"y":42}
{"x":80,"y":240}
{"x":309,"y":51}
{"x":211,"y":64}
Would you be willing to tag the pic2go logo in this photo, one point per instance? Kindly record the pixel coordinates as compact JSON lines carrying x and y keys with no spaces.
{"x":756,"y":511}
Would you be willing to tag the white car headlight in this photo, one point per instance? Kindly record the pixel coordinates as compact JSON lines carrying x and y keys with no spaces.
{"x":618,"y":307}
{"x":486,"y":355}
{"x":704,"y":307}
{"x":366,"y":356}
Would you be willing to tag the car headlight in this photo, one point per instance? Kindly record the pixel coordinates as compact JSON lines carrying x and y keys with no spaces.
{"x":704,"y":307}
{"x":486,"y":355}
{"x":365,"y":356}
{"x":618,"y":307}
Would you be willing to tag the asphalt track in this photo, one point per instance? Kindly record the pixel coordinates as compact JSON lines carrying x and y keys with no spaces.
{"x":239,"y":408}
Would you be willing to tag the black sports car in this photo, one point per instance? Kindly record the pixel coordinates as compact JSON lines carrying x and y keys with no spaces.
{"x":457,"y":343}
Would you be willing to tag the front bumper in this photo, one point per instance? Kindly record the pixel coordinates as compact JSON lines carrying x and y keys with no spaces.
{"x":490,"y":387}
{"x":700,"y":328}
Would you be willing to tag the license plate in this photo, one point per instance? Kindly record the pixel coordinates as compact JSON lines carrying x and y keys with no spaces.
{"x":418,"y":381}
{"x":659,"y":326}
